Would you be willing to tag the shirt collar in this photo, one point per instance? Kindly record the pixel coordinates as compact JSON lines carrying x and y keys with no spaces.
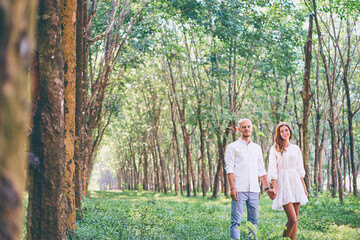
{"x":242,"y":141}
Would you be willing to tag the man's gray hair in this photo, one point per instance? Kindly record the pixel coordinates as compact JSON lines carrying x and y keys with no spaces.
{"x":243,"y":120}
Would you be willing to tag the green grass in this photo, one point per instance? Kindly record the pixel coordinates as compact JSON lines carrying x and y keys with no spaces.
{"x":148,"y":215}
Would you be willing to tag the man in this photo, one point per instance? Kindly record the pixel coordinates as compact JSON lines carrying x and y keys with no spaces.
{"x":244,"y":167}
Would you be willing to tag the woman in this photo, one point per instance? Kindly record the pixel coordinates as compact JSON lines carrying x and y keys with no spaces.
{"x":286,"y":172}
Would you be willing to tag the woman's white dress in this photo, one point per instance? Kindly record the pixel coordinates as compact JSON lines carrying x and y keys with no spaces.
{"x":287,"y":171}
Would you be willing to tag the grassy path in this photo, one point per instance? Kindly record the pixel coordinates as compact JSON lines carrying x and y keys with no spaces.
{"x":148,"y":215}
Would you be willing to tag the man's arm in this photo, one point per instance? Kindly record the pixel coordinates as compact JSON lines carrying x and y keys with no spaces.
{"x":269,"y":191}
{"x":229,"y":167}
{"x":233,"y":191}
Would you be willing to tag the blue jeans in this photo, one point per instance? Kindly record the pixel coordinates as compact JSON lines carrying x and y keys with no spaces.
{"x":237,"y":207}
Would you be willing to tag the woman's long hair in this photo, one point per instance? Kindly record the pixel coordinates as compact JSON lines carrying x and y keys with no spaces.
{"x":279,"y":141}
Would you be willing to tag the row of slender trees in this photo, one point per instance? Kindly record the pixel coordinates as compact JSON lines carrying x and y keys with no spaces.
{"x":181,"y":105}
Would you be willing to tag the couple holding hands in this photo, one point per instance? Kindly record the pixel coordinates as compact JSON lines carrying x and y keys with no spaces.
{"x":245,"y":166}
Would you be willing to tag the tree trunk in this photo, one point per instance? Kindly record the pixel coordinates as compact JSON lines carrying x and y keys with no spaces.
{"x":17,"y":27}
{"x":351,"y":135}
{"x":219,"y":166}
{"x":156,"y":167}
{"x":176,"y":178}
{"x":68,"y":22}
{"x":320,"y":109}
{"x":81,"y":96}
{"x":318,"y":150}
{"x":46,"y":215}
{"x":332,"y":120}
{"x":192,"y":168}
{"x":328,"y":180}
{"x":333,"y":154}
{"x":306,"y":96}
{"x":231,"y":127}
{"x":188,"y":165}
{"x":202,"y":150}
{"x":176,"y":150}
{"x":133,"y":162}
{"x":182,"y":174}
{"x":319,"y":178}
{"x":344,"y":156}
{"x":145,"y":168}
{"x":162,"y":162}
{"x":209,"y":163}
{"x":349,"y":169}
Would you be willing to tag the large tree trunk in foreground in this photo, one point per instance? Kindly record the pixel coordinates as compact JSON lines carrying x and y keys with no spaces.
{"x":68,"y":21}
{"x":17,"y":27}
{"x":46,"y":215}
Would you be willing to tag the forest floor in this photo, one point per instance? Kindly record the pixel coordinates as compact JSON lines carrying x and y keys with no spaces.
{"x":148,"y":215}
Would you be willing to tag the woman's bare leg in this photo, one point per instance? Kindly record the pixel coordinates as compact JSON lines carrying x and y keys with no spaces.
{"x":291,"y":224}
{"x":296,"y":207}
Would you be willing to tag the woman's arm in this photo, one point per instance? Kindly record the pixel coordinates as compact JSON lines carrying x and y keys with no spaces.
{"x":303,"y":183}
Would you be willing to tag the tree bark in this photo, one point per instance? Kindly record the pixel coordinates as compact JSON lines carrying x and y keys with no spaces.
{"x":209,"y":163}
{"x":46,"y":215}
{"x":17,"y":27}
{"x":202,"y":151}
{"x":176,"y":178}
{"x":176,"y":154}
{"x":307,"y":96}
{"x":344,"y":157}
{"x":145,"y":168}
{"x":68,"y":22}
{"x":81,"y":96}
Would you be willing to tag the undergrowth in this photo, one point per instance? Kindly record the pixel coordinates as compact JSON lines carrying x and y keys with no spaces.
{"x":148,"y":215}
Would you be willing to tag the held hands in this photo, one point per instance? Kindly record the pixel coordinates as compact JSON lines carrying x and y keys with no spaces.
{"x":271,"y":193}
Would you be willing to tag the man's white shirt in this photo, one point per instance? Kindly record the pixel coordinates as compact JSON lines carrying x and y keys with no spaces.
{"x":245,"y":161}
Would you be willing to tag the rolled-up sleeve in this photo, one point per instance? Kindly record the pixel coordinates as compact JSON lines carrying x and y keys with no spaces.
{"x":229,"y":159}
{"x":300,"y":167}
{"x":261,"y":167}
{"x":272,"y":172}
